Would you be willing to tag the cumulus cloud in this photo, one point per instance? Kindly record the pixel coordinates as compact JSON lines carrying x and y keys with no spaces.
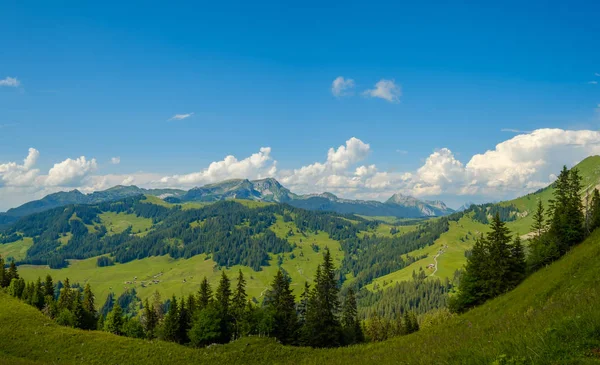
{"x":256,"y":166}
{"x":513,"y":167}
{"x":332,"y":172}
{"x":71,"y":172}
{"x":341,"y":87}
{"x":115,"y":160}
{"x":13,"y":174}
{"x":386,"y":90}
{"x":10,"y":82}
{"x":181,"y":116}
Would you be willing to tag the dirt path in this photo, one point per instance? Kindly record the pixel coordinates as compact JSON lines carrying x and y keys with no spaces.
{"x":435,"y":261}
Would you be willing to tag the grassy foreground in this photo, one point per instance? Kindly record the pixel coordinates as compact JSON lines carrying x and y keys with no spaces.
{"x":553,"y":317}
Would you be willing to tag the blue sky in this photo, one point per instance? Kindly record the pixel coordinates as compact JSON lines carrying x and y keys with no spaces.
{"x":102,"y":80}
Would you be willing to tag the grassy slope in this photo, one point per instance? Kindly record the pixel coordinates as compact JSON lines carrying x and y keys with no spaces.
{"x":551,"y":318}
{"x":453,"y":259}
{"x":17,"y":249}
{"x":174,"y":272}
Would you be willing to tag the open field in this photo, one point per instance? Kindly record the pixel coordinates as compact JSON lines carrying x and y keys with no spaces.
{"x":183,"y":276}
{"x":551,"y":318}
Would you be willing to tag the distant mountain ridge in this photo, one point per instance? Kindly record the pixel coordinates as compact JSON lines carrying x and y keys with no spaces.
{"x":264,"y":190}
{"x":63,"y":198}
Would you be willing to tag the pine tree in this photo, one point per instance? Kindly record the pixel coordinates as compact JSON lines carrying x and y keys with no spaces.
{"x":38,"y":295}
{"x":322,"y":327}
{"x":239,"y":307}
{"x":185,"y":319}
{"x":518,"y":267}
{"x":12,"y":272}
{"x":539,"y":220}
{"x":350,"y":323}
{"x":223,"y":303}
{"x":500,"y":257}
{"x":159,"y":308}
{"x":149,"y":320}
{"x":3,"y":275}
{"x":89,"y":307}
{"x":205,"y":295}
{"x":114,"y":320}
{"x":79,"y":311}
{"x":303,"y":304}
{"x":280,"y":303}
{"x":48,"y":286}
{"x":567,"y":220}
{"x":66,"y":297}
{"x":170,"y":326}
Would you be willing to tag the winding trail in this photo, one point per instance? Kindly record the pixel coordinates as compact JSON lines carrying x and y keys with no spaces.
{"x":436,"y":263}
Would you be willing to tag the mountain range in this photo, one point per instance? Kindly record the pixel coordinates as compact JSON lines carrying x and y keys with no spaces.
{"x":265,"y":190}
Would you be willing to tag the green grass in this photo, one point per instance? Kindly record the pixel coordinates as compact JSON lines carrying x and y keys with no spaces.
{"x":183,"y":276}
{"x":118,"y":222}
{"x":551,"y":318}
{"x":17,"y":249}
{"x":151,"y":199}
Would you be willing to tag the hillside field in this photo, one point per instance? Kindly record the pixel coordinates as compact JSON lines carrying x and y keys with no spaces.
{"x":551,"y":318}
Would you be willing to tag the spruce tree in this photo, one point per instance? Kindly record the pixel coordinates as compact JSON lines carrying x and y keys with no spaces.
{"x":350,"y":323}
{"x":205,"y":295}
{"x":48,"y":286}
{"x":239,"y":307}
{"x":170,"y":325}
{"x":322,"y":327}
{"x":498,"y":240}
{"x":149,"y":320}
{"x":185,"y":319}
{"x":158,"y":306}
{"x":66,"y":297}
{"x":223,"y":304}
{"x":303,"y":304}
{"x":12,"y":272}
{"x":518,"y":267}
{"x":114,"y":320}
{"x":38,"y":295}
{"x":539,"y":220}
{"x":3,"y":275}
{"x":89,"y":307}
{"x":280,"y":303}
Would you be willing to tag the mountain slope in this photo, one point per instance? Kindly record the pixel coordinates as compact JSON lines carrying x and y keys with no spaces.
{"x":76,"y":197}
{"x":551,"y":318}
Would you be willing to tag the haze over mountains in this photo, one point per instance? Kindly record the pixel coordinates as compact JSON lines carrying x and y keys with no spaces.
{"x":265,"y":190}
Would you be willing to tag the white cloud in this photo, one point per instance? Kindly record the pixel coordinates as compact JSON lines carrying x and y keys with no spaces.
{"x":592,"y":82}
{"x":13,"y":174}
{"x":385,"y":89}
{"x":181,"y":116}
{"x":513,"y":167}
{"x":10,"y":82}
{"x":596,"y":74}
{"x":256,"y":166}
{"x":71,"y":172}
{"x":115,"y":160}
{"x":341,"y":86}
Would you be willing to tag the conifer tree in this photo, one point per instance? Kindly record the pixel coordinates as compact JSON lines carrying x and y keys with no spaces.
{"x":205,"y":295}
{"x":158,"y":306}
{"x":89,"y":307}
{"x":223,"y":304}
{"x":38,"y":295}
{"x":170,"y":325}
{"x":280,"y":303}
{"x":303,"y":304}
{"x":322,"y":327}
{"x":114,"y":320}
{"x":518,"y":267}
{"x":539,"y":220}
{"x":66,"y":297}
{"x":149,"y":320}
{"x":350,"y":323}
{"x":3,"y":275}
{"x":48,"y":286}
{"x":12,"y":272}
{"x":185,"y":319}
{"x":239,"y":307}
